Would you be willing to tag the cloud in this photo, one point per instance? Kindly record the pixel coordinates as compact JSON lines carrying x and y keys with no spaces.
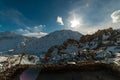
{"x":35,"y":29}
{"x":59,"y":20}
{"x":37,"y":35}
{"x":115,"y":16}
{"x":32,"y":31}
{"x":87,"y":29}
{"x":22,"y":31}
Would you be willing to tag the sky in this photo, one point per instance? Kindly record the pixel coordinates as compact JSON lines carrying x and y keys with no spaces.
{"x":45,"y":16}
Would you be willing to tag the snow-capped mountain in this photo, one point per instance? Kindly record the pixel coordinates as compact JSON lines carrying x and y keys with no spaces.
{"x":107,"y":39}
{"x":63,"y":41}
{"x":9,"y":41}
{"x":41,"y":45}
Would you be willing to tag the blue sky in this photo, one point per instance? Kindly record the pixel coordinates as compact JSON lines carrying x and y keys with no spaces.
{"x":34,"y":16}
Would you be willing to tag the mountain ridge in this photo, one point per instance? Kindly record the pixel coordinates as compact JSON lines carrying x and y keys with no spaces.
{"x":65,"y":41}
{"x":107,"y":39}
{"x":31,"y":45}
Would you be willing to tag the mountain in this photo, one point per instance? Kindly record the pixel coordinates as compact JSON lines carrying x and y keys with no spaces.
{"x":101,"y":38}
{"x":41,"y":45}
{"x":107,"y":39}
{"x":62,"y":41}
{"x":9,"y":41}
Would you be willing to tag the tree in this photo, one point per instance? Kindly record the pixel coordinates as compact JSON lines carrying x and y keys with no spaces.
{"x":22,"y":54}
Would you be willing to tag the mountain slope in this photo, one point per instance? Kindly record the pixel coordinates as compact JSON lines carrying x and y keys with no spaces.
{"x":107,"y":39}
{"x":101,"y":38}
{"x":41,"y":45}
{"x":9,"y":41}
{"x":63,"y":41}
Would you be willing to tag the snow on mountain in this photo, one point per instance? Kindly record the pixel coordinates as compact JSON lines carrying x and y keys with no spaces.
{"x":41,"y":45}
{"x":9,"y":41}
{"x":3,"y":58}
{"x":26,"y":59}
{"x":107,"y":39}
{"x":12,"y":60}
{"x":65,"y":41}
{"x":71,"y":49}
{"x":113,"y":49}
{"x":102,"y":38}
{"x":59,"y":44}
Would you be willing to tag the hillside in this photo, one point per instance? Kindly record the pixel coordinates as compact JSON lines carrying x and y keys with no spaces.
{"x":10,"y":41}
{"x":41,"y":45}
{"x":60,"y":42}
{"x":107,"y":39}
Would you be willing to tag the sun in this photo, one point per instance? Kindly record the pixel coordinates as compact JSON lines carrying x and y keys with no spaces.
{"x":74,"y":23}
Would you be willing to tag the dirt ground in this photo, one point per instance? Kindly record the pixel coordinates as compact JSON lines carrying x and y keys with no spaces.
{"x":87,"y":75}
{"x":71,"y":72}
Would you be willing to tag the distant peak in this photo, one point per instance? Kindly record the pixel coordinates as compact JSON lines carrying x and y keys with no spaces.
{"x":65,"y":31}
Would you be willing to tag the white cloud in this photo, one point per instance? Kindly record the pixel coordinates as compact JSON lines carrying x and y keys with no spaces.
{"x":115,"y":16}
{"x":87,"y":29}
{"x":32,"y":31}
{"x":37,"y":35}
{"x":35,"y":29}
{"x":59,"y":20}
{"x":22,"y":31}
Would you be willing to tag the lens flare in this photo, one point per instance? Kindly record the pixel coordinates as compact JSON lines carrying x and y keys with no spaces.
{"x":74,"y":23}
